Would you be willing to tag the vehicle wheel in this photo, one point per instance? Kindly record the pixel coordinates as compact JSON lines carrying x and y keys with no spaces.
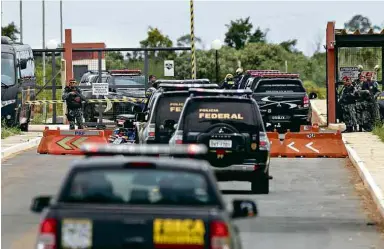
{"x":260,"y":185}
{"x":24,"y":127}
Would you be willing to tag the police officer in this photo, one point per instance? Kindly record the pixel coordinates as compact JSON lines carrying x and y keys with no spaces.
{"x":373,"y":88}
{"x":360,"y":101}
{"x":228,"y":83}
{"x":73,"y":97}
{"x":238,"y":77}
{"x":347,"y":102}
{"x":152,"y":86}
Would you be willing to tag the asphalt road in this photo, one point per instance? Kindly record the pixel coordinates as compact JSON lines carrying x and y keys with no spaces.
{"x":312,"y":204}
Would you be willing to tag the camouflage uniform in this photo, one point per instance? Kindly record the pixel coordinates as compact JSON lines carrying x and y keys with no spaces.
{"x":373,"y":88}
{"x":365,"y":103}
{"x":359,"y":105}
{"x":74,"y":105}
{"x":348,"y":106}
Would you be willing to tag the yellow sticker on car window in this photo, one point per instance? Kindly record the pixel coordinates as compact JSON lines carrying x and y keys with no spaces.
{"x":178,"y":232}
{"x":76,"y":233}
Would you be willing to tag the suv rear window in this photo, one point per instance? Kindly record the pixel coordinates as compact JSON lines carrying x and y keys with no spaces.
{"x":200,"y":115}
{"x":267,"y":86}
{"x":140,"y":186}
{"x":169,"y":107}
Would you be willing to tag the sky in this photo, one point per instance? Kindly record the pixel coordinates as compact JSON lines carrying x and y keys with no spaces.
{"x":125,"y":23}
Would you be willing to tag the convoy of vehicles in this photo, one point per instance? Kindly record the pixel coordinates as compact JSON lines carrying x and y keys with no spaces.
{"x":17,"y":74}
{"x":140,"y":201}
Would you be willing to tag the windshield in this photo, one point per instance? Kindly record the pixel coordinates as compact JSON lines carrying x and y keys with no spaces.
{"x":169,"y":107}
{"x":129,"y":80}
{"x":279,"y":86}
{"x":140,"y":186}
{"x":8,"y":73}
{"x":201,"y":115}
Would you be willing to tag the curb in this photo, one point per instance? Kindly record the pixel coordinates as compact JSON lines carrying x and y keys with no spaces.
{"x":367,"y":178}
{"x":19,"y":147}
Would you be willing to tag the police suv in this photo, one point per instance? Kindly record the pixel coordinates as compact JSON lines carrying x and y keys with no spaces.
{"x":163,"y":111}
{"x":282,"y":98}
{"x":140,"y":201}
{"x":229,"y":123}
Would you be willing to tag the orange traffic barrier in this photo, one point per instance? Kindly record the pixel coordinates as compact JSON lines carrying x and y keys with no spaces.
{"x":310,"y":128}
{"x":274,"y":140}
{"x":58,"y":142}
{"x":313,"y":144}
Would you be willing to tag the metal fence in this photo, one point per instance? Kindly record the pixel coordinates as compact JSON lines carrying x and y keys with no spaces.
{"x":101,"y":110}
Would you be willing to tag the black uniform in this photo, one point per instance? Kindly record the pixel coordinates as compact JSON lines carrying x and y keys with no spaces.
{"x":348,"y":106}
{"x":74,"y":98}
{"x":228,"y":84}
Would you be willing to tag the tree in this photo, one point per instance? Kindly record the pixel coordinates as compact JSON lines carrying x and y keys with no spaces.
{"x":290,"y":45}
{"x":238,"y":33}
{"x":361,"y":23}
{"x":156,"y":39}
{"x":259,"y":36}
{"x":11,"y":31}
{"x":185,"y":41}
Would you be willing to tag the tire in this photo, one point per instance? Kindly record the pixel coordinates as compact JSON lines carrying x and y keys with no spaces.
{"x":260,"y":185}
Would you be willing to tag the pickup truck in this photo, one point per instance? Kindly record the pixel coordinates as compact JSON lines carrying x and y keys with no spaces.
{"x":283,"y":101}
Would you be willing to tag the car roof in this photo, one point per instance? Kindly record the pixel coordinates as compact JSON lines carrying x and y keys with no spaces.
{"x":182,"y":164}
{"x":221,"y":97}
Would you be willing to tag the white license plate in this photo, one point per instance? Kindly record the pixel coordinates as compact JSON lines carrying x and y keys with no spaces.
{"x":220,"y":143}
{"x":280,"y":117}
{"x":118,"y":140}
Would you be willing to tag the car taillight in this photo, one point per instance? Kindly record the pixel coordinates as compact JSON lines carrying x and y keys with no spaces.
{"x":306,"y":101}
{"x":151,"y":131}
{"x":219,"y":235}
{"x":47,"y":236}
{"x":263,"y":141}
{"x":179,"y":139}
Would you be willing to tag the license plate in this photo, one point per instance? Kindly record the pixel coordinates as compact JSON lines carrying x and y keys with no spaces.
{"x":178,"y":232}
{"x":118,"y":140}
{"x":220,"y":143}
{"x":280,"y":117}
{"x":76,"y":233}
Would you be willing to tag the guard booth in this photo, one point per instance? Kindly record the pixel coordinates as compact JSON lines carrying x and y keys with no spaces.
{"x":345,"y":52}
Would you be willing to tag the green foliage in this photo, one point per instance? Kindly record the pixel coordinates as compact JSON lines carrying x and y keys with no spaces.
{"x":361,"y":23}
{"x":11,"y":31}
{"x":156,"y":39}
{"x":239,"y":33}
{"x":379,"y":131}
{"x":312,"y":87}
{"x":185,"y":41}
{"x":8,"y":131}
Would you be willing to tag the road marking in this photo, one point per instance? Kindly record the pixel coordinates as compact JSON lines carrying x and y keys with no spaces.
{"x":293,"y":148}
{"x":63,"y":143}
{"x":79,"y":141}
{"x":309,"y":146}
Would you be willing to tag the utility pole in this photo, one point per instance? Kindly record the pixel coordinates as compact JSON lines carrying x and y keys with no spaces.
{"x":21,"y":21}
{"x":43,"y":6}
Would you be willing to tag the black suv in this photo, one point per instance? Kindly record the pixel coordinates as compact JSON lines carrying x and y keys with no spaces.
{"x":283,"y":101}
{"x":163,"y":112}
{"x":229,"y":123}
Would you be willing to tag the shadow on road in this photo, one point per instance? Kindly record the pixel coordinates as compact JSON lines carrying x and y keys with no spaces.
{"x":236,"y":192}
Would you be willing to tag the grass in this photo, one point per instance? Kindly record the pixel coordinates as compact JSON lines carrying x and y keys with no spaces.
{"x":9,"y":131}
{"x":310,"y":86}
{"x":379,"y":131}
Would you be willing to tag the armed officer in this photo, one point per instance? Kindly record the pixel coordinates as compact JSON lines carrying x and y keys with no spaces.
{"x":228,"y":83}
{"x":348,"y":103}
{"x":373,"y":88}
{"x":74,"y":99}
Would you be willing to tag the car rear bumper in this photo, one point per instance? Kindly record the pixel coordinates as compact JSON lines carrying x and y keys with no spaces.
{"x":241,"y":172}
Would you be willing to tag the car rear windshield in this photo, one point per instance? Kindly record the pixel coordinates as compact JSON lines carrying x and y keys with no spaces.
{"x":201,"y":115}
{"x":169,"y":107}
{"x":279,"y":86}
{"x":128,"y":80}
{"x":140,"y":186}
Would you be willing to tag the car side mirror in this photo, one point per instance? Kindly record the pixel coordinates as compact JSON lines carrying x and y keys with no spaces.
{"x":39,"y":203}
{"x":244,"y":208}
{"x":23,"y":64}
{"x":140,"y":116}
{"x":312,"y":95}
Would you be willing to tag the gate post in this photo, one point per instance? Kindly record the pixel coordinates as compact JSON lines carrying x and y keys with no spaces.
{"x":331,"y":73}
{"x":68,"y":55}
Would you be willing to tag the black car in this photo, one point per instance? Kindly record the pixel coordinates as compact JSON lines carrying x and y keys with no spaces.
{"x":283,"y":100}
{"x":163,"y":111}
{"x":229,"y":123}
{"x":139,"y":202}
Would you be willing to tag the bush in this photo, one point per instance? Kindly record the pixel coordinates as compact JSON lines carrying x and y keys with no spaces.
{"x":8,"y":131}
{"x":379,"y":131}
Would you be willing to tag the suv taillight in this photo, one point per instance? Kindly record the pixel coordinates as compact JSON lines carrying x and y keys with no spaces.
{"x":151,"y":131}
{"x":306,"y":101}
{"x":47,"y":235}
{"x":264,"y":141}
{"x":219,"y":235}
